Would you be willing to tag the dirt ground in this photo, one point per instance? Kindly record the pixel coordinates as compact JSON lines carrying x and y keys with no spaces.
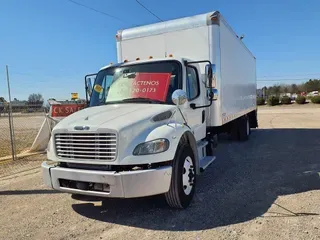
{"x":266,"y":188}
{"x":26,"y":128}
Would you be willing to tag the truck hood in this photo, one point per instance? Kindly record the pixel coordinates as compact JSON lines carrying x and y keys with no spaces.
{"x":115,"y":116}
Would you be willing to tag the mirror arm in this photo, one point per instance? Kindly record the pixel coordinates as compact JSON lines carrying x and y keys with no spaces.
{"x":86,"y":89}
{"x":86,"y":86}
{"x":193,"y":105}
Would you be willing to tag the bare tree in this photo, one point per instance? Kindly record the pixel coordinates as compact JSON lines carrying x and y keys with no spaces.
{"x":294,"y":88}
{"x":35,"y":98}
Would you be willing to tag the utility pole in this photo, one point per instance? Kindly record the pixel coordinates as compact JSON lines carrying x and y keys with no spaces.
{"x":10,"y":118}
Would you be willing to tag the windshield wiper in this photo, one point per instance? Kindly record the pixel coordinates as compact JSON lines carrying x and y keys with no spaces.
{"x":147,"y":100}
{"x":135,"y":100}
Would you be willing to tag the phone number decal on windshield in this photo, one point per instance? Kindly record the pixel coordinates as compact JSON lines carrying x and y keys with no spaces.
{"x":151,"y":85}
{"x":144,"y":90}
{"x":144,"y":85}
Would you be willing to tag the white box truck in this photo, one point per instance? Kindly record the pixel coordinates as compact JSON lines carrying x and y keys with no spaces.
{"x":152,"y":119}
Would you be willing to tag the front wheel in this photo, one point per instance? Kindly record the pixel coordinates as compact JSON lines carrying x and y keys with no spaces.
{"x":183,"y":179}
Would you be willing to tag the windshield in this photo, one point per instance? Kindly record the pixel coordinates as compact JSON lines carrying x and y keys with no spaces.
{"x":151,"y":82}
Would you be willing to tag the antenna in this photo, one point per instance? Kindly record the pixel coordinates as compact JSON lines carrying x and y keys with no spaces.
{"x":242,"y":36}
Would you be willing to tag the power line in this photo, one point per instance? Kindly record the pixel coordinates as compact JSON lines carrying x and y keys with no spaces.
{"x":149,"y":10}
{"x":98,"y":11}
{"x":280,"y":80}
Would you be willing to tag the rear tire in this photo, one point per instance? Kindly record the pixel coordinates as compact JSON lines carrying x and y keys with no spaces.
{"x":234,"y":130}
{"x":183,"y":178}
{"x":244,"y":128}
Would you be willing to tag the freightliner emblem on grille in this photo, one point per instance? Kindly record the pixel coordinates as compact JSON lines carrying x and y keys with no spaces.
{"x":81,"y":128}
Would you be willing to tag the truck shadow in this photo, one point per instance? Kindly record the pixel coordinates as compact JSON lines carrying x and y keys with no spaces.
{"x":28,"y":192}
{"x":242,"y":184}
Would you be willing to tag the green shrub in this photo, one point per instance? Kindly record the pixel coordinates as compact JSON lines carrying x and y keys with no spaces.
{"x":286,"y":100}
{"x":309,"y":97}
{"x":261,"y":101}
{"x":301,"y":100}
{"x":272,"y":101}
{"x":315,"y":99}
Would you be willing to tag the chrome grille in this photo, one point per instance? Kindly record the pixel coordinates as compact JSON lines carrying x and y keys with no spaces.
{"x":88,"y":146}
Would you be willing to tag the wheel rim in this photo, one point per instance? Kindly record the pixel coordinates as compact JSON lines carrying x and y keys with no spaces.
{"x":188,"y":175}
{"x":248,"y":128}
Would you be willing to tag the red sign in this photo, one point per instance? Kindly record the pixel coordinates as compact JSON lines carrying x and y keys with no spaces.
{"x":151,"y":85}
{"x":64,"y":110}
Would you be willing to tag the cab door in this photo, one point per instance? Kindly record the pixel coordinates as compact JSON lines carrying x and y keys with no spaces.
{"x":195,"y":117}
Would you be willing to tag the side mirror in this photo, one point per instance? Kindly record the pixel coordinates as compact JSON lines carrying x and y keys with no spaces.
{"x":88,"y":85}
{"x":210,"y":76}
{"x":179,"y":97}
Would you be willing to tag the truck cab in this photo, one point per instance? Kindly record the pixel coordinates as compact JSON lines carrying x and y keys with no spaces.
{"x":139,"y":122}
{"x":154,"y":81}
{"x":152,"y":120}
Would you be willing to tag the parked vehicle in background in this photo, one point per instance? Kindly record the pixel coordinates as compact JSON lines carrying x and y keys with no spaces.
{"x":153,"y":118}
{"x":313,"y":93}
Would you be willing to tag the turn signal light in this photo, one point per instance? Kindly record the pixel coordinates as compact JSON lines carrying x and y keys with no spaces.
{"x":150,"y":57}
{"x":137,"y":59}
{"x":125,"y":60}
{"x":170,"y":55}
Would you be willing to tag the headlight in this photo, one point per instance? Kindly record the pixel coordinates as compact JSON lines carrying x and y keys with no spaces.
{"x":152,"y":147}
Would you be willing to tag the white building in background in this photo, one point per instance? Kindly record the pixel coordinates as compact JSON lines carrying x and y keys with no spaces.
{"x":313,"y":93}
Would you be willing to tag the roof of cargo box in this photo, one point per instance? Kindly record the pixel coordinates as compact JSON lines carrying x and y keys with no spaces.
{"x":170,"y":26}
{"x":123,"y":64}
{"x":179,"y":24}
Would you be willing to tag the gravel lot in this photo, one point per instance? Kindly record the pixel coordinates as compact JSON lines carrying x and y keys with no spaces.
{"x":26,"y":128}
{"x":266,"y":188}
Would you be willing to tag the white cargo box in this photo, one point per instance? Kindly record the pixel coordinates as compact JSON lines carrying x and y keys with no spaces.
{"x":202,"y":37}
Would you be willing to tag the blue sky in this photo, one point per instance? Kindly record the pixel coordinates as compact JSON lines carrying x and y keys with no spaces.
{"x":50,"y":45}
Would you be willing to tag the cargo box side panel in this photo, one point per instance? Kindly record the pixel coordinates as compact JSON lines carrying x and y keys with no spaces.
{"x":238,"y":76}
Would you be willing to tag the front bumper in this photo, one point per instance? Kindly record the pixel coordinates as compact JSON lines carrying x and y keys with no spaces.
{"x":127,"y":184}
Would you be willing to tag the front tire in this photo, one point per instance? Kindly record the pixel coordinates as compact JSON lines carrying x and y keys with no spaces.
{"x":183,"y":179}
